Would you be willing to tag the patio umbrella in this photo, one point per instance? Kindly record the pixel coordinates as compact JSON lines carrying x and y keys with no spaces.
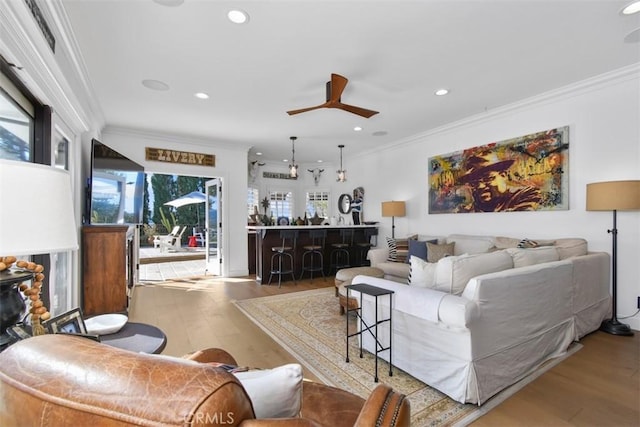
{"x":195,"y":197}
{"x":188,"y":199}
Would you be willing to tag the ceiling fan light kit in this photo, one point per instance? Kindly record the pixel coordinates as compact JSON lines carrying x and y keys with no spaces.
{"x":335,"y":87}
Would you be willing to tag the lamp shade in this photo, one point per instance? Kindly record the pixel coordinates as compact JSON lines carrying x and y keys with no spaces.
{"x":393,"y":208}
{"x":36,"y":209}
{"x":613,"y":195}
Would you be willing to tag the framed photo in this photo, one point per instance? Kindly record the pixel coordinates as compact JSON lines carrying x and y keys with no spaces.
{"x":70,"y":322}
{"x":19,"y":331}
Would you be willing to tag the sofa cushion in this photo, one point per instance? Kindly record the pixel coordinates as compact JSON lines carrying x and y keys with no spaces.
{"x":470,"y":244}
{"x":419,"y":248}
{"x":453,"y":273}
{"x":523,"y":257}
{"x":437,"y":252}
{"x":395,"y":269}
{"x":422,"y":273}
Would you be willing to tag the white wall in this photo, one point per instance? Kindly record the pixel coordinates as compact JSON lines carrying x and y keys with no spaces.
{"x":230,"y":165}
{"x":604,"y":120}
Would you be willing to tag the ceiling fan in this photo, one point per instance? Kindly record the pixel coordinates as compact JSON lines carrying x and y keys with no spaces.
{"x":335,"y":87}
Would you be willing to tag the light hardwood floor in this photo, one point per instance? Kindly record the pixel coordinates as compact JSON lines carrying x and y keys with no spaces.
{"x":597,"y":386}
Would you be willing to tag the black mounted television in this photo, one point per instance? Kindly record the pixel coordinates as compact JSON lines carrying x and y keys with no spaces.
{"x":115,"y":191}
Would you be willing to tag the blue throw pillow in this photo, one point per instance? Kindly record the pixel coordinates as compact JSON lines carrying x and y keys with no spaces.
{"x":418,"y":249}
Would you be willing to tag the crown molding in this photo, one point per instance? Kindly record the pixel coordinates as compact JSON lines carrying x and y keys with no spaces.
{"x":175,"y":138}
{"x":602,"y":81}
{"x":23,"y":44}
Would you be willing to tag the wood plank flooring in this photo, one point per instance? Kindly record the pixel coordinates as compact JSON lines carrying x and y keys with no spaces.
{"x":597,"y":386}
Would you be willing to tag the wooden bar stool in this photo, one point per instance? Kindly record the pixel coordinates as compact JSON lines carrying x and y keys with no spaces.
{"x":312,"y":251}
{"x":282,"y":252}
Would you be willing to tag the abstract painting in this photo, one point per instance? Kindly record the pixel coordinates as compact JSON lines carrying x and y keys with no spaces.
{"x":527,"y":173}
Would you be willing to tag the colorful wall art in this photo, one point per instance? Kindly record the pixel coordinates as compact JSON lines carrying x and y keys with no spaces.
{"x":527,"y":173}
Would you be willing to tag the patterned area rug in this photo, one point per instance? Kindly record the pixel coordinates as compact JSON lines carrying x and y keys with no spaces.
{"x":309,"y":326}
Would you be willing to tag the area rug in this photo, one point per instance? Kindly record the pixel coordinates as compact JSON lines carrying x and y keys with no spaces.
{"x":309,"y":326}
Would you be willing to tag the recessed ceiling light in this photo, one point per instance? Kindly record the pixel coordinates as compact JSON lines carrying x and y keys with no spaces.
{"x":170,"y":3}
{"x":259,"y":153}
{"x":631,"y":8}
{"x":285,"y":160}
{"x":201,"y":95}
{"x":441,"y":92}
{"x":320,"y":161}
{"x":357,"y":128}
{"x":238,"y":16}
{"x":155,"y":84}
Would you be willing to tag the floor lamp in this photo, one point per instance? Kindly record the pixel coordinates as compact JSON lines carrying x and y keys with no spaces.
{"x":614,"y":196}
{"x":393,"y":209}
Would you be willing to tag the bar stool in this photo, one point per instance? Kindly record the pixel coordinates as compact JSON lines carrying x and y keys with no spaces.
{"x":313,"y":251}
{"x":286,"y":250}
{"x":364,"y":246}
{"x":340,"y":253}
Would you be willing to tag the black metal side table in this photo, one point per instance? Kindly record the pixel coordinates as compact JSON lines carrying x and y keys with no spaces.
{"x":376,"y":292}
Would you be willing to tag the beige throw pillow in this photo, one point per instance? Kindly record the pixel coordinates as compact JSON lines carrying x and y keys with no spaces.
{"x":437,"y":252}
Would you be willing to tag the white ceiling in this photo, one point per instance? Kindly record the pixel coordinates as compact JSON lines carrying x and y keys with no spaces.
{"x":394,"y":53}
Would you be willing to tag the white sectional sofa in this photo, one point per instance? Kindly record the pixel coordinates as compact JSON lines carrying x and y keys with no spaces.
{"x":488,"y":319}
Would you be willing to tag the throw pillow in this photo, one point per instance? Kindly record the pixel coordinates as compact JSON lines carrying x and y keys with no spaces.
{"x":422,"y":273}
{"x":418,"y":248}
{"x":436,"y":252}
{"x":393,"y":249}
{"x":398,"y":249}
{"x":274,"y":393}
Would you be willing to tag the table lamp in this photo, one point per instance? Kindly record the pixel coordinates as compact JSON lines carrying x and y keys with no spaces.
{"x":393,"y":209}
{"x":614,"y":196}
{"x":36,"y":217}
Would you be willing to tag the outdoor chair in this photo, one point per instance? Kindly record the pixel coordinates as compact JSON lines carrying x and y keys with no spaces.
{"x":172,"y":240}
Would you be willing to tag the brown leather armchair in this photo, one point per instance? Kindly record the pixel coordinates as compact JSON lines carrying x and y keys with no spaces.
{"x":59,"y":380}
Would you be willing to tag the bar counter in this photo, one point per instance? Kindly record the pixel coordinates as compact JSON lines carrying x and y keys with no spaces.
{"x":267,"y":237}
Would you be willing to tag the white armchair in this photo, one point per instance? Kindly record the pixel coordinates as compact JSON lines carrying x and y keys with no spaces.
{"x":173,"y":239}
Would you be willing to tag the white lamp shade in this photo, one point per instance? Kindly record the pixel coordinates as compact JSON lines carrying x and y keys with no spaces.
{"x":36,"y":209}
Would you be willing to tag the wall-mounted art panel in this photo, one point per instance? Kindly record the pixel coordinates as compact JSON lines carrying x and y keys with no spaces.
{"x":527,"y":173}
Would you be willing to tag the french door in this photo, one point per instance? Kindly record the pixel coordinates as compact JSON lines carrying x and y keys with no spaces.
{"x":213,"y":223}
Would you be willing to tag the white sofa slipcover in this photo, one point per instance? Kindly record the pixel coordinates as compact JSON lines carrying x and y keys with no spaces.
{"x":501,"y":327}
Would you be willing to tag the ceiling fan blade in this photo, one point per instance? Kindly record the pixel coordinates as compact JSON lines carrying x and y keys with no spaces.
{"x":356,"y":110}
{"x":338,"y":83}
{"x":303,"y":110}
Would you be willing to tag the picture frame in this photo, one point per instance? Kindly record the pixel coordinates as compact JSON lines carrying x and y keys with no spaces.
{"x":71,"y":322}
{"x":19,"y":331}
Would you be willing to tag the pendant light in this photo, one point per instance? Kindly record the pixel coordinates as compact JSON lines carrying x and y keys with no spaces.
{"x":342,"y":174}
{"x":293,"y":168}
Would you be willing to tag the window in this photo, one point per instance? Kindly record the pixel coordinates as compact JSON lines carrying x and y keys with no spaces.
{"x":317,"y":203}
{"x":253,"y":201}
{"x":16,"y":124}
{"x":281,"y":204}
